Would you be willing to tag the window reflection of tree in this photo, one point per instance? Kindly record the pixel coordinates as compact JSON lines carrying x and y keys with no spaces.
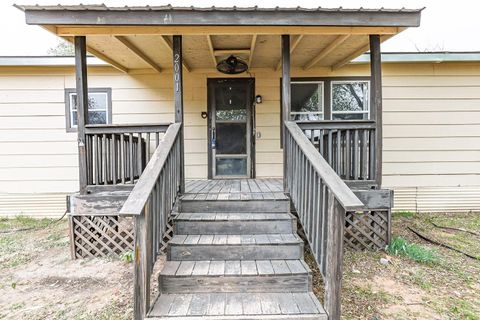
{"x":349,"y":97}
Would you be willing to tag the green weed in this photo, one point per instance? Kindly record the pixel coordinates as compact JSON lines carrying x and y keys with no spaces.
{"x":401,"y":247}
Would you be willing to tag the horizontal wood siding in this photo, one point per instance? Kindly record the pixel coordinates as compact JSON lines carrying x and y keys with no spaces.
{"x":431,"y":130}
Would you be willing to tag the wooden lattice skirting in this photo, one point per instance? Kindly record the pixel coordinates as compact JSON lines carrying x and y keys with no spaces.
{"x":105,"y":235}
{"x":367,"y":230}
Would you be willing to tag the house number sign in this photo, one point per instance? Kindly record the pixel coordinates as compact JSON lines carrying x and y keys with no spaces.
{"x":176,"y":71}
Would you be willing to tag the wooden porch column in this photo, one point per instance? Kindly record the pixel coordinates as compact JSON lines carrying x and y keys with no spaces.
{"x":286,"y":99}
{"x":82,"y":107}
{"x":376,"y":102}
{"x":178,"y":96}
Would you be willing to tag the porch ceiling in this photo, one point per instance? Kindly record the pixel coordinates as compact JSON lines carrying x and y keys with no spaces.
{"x":140,"y":37}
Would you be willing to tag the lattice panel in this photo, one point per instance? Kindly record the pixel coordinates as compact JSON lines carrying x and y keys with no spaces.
{"x":367,"y":230}
{"x":100,"y":236}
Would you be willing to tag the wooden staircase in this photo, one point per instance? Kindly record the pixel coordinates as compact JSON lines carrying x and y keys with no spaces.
{"x":236,"y":259}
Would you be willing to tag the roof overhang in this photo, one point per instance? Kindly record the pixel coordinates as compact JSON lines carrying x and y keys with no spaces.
{"x":140,"y":37}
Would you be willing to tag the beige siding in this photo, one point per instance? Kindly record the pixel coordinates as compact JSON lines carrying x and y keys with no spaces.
{"x":431,"y":130}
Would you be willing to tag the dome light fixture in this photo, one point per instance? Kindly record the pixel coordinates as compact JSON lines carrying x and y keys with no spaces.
{"x":232,"y":65}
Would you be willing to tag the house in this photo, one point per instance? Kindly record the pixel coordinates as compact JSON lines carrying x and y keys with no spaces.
{"x":207,"y":126}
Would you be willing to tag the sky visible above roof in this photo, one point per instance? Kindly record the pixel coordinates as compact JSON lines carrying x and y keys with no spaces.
{"x":434,"y":34}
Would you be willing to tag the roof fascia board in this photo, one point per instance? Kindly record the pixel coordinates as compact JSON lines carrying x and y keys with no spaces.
{"x":223,"y":18}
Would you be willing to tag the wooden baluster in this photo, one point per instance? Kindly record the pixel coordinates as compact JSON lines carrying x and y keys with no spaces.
{"x":330,"y":147}
{"x":147,"y":154}
{"x":139,"y":155}
{"x":365,"y":155}
{"x":131,"y":158}
{"x":114,"y":159}
{"x":371,"y":160}
{"x":356,"y":152}
{"x":338,"y":167}
{"x":123,"y":165}
{"x":348,"y":160}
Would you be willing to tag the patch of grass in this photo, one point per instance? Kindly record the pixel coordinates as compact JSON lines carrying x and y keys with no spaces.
{"x":127,"y":256}
{"x":404,"y":214}
{"x":22,"y":222}
{"x":401,"y":247}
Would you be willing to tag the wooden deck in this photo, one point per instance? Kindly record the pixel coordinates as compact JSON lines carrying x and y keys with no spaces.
{"x":235,"y":189}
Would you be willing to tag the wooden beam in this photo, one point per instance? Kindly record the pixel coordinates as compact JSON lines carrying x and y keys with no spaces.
{"x":253,"y":43}
{"x":286,"y":99}
{"x":166,"y":41}
{"x":63,"y":30}
{"x":102,"y":56}
{"x":357,"y":52}
{"x":294,"y":45}
{"x":178,"y":97}
{"x":326,"y":51}
{"x":139,"y":53}
{"x":82,"y":108}
{"x":212,"y":50}
{"x":376,"y":108}
{"x":227,"y":52}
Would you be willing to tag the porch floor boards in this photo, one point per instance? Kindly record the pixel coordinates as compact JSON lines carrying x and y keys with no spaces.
{"x":234,"y":189}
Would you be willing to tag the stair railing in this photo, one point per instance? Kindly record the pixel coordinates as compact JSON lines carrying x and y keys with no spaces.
{"x":151,"y":202}
{"x":321,"y":199}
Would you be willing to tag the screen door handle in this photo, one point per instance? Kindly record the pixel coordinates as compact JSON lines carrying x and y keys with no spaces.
{"x":214,"y":138}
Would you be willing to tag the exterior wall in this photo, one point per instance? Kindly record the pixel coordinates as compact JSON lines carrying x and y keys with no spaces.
{"x":431,"y":130}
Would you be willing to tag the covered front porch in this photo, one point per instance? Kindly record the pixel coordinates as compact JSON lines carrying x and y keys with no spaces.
{"x":259,"y":136}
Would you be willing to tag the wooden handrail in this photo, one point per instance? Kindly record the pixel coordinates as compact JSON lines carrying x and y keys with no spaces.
{"x":321,"y":200}
{"x":141,"y":192}
{"x":336,"y":124}
{"x":337,"y":186}
{"x":151,"y":203}
{"x":123,"y":128}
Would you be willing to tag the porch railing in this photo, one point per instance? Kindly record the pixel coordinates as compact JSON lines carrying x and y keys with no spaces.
{"x":348,"y":146}
{"x":151,"y":202}
{"x":322,"y":200}
{"x":117,"y":154}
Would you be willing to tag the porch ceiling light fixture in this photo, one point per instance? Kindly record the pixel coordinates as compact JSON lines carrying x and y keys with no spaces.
{"x":232,"y":65}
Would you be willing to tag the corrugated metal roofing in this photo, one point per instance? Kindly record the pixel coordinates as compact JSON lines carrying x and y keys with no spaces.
{"x":103,"y":7}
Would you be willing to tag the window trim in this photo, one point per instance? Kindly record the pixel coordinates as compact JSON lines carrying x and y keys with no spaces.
{"x":332,"y":82}
{"x":69,"y":112}
{"x":327,"y":110}
{"x":318,"y":82}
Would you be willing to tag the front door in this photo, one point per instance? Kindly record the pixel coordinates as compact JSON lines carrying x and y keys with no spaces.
{"x":230,"y":104}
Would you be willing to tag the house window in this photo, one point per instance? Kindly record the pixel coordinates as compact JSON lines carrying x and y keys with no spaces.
{"x":99,"y":107}
{"x":307,"y":101}
{"x":350,"y":100}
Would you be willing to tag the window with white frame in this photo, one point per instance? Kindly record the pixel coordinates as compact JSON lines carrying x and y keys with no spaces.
{"x":307,"y":100}
{"x":99,"y":107}
{"x":350,"y":100}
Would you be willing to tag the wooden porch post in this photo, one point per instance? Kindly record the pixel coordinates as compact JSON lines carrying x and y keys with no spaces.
{"x":82,"y":107}
{"x":286,"y":99}
{"x":178,"y":96}
{"x":376,"y":102}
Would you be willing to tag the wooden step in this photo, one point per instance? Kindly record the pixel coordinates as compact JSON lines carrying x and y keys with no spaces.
{"x":234,"y":223}
{"x":230,"y":306}
{"x":250,"y":206}
{"x":235,"y":276}
{"x":235,"y":247}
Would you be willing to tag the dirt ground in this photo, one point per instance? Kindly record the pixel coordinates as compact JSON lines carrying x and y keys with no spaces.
{"x":38,"y":280}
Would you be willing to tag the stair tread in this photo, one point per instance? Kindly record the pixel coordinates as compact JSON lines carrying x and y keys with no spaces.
{"x":236,"y":239}
{"x":231,"y":216}
{"x":235,"y":268}
{"x":229,"y":305}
